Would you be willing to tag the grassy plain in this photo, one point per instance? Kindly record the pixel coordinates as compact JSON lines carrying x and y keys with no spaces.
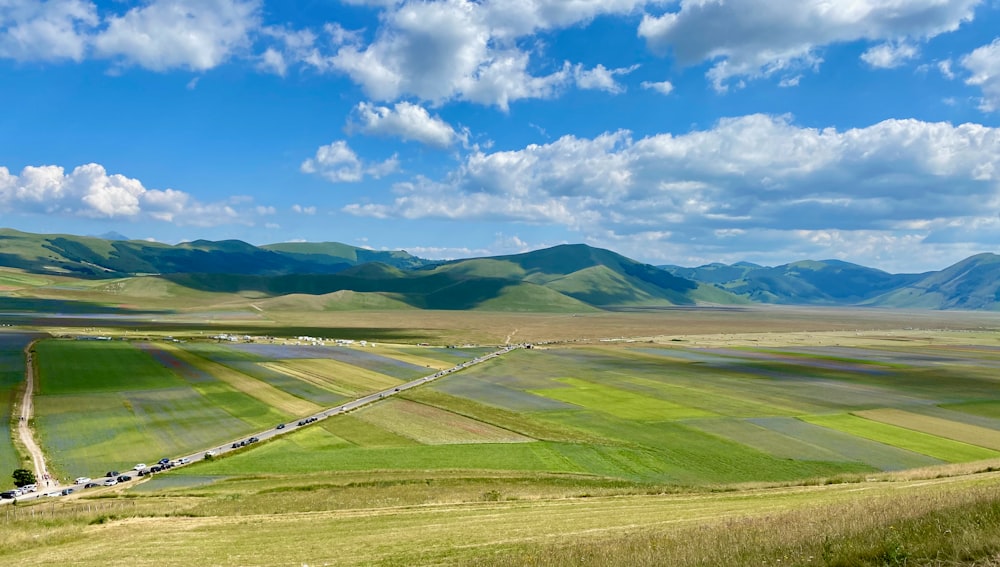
{"x":633,"y":452}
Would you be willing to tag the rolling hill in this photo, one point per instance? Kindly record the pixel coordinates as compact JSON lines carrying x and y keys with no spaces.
{"x":565,"y":278}
{"x":92,"y":257}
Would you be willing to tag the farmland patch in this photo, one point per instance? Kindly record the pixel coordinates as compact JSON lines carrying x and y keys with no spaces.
{"x":433,"y":426}
{"x":877,"y":455}
{"x":495,"y":393}
{"x":957,"y":431}
{"x":69,"y":367}
{"x":354,"y":356}
{"x":619,"y":403}
{"x":334,"y":375}
{"x":282,"y":401}
{"x":930,"y":445}
{"x":765,"y":440}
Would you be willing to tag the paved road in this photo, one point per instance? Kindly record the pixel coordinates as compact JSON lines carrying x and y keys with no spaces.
{"x":289,"y":427}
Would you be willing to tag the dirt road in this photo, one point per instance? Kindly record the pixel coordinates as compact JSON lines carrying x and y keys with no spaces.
{"x":24,"y":431}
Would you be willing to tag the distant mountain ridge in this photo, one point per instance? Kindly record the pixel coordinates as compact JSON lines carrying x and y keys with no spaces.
{"x":565,"y":278}
{"x":973,"y":283}
{"x":93,"y":257}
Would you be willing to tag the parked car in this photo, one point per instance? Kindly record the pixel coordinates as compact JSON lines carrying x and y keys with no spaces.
{"x":124,"y":478}
{"x":140,"y":466}
{"x":8,"y":495}
{"x":163,"y":461}
{"x":253,"y":440}
{"x":29,"y":488}
{"x":81,"y":480}
{"x":209,"y":453}
{"x":280,"y":426}
{"x":66,"y":491}
{"x":91,"y":485}
{"x":112,"y":474}
{"x":110,"y":482}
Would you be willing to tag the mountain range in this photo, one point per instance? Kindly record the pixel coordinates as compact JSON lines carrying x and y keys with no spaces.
{"x":565,"y":278}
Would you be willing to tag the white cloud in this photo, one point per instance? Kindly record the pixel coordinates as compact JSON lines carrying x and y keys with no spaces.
{"x":889,"y":55}
{"x":89,"y":191}
{"x":407,"y":121}
{"x":190,"y":34}
{"x":445,"y":50}
{"x":662,"y":87}
{"x":945,"y":68}
{"x":600,"y":78}
{"x":758,"y":174}
{"x":303,"y":210}
{"x":751,"y":39}
{"x":984,"y":64}
{"x":338,"y":163}
{"x":51,"y":30}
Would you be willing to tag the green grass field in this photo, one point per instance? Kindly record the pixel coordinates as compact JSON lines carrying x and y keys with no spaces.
{"x":11,"y":378}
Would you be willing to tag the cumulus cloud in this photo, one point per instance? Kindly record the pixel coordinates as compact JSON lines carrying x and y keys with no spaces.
{"x":407,"y":121}
{"x":984,"y":64}
{"x":756,"y":174}
{"x":600,"y":78}
{"x":190,"y":34}
{"x":750,"y":39}
{"x":445,"y":50}
{"x":338,"y":163}
{"x":89,"y":191}
{"x":157,"y":35}
{"x":662,"y":87}
{"x":52,"y":30}
{"x":889,"y":55}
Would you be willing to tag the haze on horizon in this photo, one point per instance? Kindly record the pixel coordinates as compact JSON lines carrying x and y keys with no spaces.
{"x":681,"y":132}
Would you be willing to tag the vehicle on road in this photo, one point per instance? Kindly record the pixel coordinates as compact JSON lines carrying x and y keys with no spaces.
{"x":163,"y":461}
{"x":29,"y":488}
{"x":112,"y":474}
{"x":124,"y":478}
{"x":81,"y":480}
{"x":66,"y":491}
{"x":280,"y":426}
{"x":8,"y":495}
{"x":210,"y":453}
{"x":110,"y":482}
{"x":140,"y":466}
{"x":91,"y":485}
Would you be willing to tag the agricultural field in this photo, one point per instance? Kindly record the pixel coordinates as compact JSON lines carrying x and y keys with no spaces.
{"x":11,"y":379}
{"x":609,"y":446}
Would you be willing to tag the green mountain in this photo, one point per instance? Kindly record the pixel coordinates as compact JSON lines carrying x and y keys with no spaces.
{"x":809,"y":282}
{"x":91,"y":257}
{"x":569,"y":278}
{"x":973,"y":283}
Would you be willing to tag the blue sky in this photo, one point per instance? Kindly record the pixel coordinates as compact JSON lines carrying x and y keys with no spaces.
{"x":681,"y":132}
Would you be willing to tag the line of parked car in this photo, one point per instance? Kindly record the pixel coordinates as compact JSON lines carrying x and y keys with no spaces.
{"x":20,"y":491}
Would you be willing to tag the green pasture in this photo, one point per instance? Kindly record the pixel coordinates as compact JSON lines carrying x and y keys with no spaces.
{"x":930,"y":445}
